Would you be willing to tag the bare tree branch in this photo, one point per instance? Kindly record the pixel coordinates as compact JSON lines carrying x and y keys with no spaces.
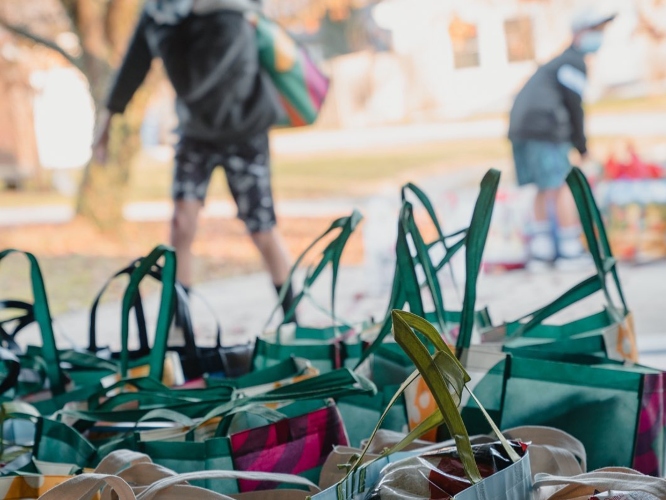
{"x":26,"y":33}
{"x":72,"y":9}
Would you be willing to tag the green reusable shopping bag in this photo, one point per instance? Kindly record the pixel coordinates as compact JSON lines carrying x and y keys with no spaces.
{"x":157,"y":365}
{"x":79,"y":370}
{"x":387,"y":364}
{"x":195,"y":360}
{"x":383,"y":360}
{"x":153,"y":361}
{"x":615,"y":409}
{"x":448,"y":380}
{"x":390,"y":365}
{"x":59,"y":438}
{"x":53,"y":376}
{"x":326,"y":347}
{"x":609,"y":332}
{"x":184,"y":449}
{"x":77,"y":366}
{"x":42,"y":377}
{"x":20,"y":435}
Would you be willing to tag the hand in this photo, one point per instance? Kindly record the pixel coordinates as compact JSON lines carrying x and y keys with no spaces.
{"x":100,"y":145}
{"x":590,"y":166}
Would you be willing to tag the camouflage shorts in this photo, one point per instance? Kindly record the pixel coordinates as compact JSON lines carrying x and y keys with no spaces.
{"x":247,"y":168}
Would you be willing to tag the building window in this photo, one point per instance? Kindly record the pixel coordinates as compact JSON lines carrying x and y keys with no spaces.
{"x":519,"y":39}
{"x":465,"y":42}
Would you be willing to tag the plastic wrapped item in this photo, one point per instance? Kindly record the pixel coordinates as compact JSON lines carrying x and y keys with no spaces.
{"x":635,"y":214}
{"x":438,"y":474}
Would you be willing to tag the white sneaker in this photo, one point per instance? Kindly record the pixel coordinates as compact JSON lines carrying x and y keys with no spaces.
{"x":541,"y":247}
{"x":542,"y":253}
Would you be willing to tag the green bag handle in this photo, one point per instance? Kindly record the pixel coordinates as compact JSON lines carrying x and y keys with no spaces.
{"x":576,"y":293}
{"x":475,"y":240}
{"x":427,"y":204}
{"x":406,"y":288}
{"x":406,"y":283}
{"x":144,"y":347}
{"x":331,"y":254}
{"x":446,"y":378}
{"x":87,"y":360}
{"x":158,"y":352}
{"x":146,"y":388}
{"x":334,"y":384}
{"x":441,"y":237}
{"x":17,"y":322}
{"x":597,"y":240}
{"x":595,"y":231}
{"x":43,"y":317}
{"x":12,"y":370}
{"x":408,"y":270}
{"x":477,"y":234}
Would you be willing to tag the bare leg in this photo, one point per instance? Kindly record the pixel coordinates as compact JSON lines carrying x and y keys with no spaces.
{"x":544,"y":204}
{"x":274,"y":253}
{"x":183,"y":229}
{"x":542,"y":246}
{"x":567,"y":214}
{"x":569,"y":229}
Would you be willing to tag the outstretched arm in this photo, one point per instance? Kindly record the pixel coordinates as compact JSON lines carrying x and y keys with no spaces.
{"x":572,"y":84}
{"x":133,"y":70}
{"x":130,"y":76}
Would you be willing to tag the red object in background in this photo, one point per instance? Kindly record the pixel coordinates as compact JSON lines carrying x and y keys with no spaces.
{"x":633,"y":168}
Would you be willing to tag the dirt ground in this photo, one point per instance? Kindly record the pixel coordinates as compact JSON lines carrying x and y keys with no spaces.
{"x":72,"y":278}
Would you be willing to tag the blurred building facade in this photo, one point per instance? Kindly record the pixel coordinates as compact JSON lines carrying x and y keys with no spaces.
{"x":390,"y":61}
{"x":20,"y":62}
{"x":455,"y":58}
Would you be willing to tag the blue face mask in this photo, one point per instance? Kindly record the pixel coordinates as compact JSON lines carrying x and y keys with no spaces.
{"x":590,"y":41}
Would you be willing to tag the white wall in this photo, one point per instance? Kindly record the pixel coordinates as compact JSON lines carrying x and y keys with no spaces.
{"x":435,"y":88}
{"x":64,"y":118}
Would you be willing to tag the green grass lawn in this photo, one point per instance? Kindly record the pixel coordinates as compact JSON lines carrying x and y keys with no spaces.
{"x":361,"y":173}
{"x":332,"y":173}
{"x":632,"y":105}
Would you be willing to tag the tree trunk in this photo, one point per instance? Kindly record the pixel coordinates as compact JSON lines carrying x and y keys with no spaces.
{"x":105,"y":29}
{"x":103,"y":188}
{"x":18,"y":143}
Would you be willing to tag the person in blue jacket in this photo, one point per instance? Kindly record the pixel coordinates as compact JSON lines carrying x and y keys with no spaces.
{"x":546,"y":121}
